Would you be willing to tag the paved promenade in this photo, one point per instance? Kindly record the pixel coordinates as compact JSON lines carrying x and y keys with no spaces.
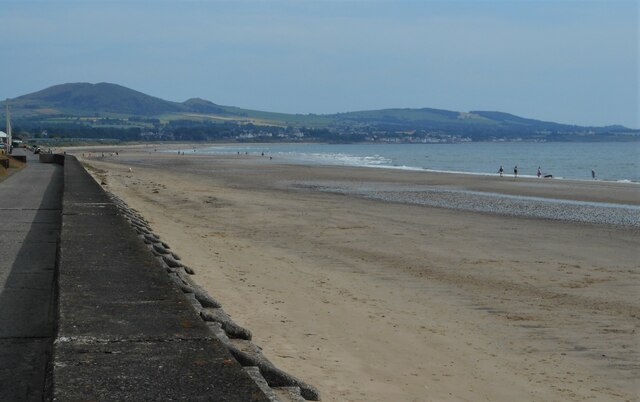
{"x":87,"y":312}
{"x":30,"y":206}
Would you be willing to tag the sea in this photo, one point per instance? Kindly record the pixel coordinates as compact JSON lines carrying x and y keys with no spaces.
{"x":614,"y":161}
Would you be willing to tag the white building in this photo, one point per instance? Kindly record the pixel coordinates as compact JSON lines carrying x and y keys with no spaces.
{"x":3,"y":142}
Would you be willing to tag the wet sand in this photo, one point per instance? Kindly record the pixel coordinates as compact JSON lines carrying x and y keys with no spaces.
{"x":375,"y":300}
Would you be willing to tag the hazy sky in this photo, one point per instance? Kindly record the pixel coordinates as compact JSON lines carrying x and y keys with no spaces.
{"x":565,"y":61}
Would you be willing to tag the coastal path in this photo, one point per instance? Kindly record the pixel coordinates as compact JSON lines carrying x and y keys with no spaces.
{"x":87,"y":312}
{"x":30,"y":207}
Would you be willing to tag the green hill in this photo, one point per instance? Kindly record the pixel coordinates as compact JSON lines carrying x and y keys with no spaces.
{"x":84,"y":99}
{"x":118,"y":105}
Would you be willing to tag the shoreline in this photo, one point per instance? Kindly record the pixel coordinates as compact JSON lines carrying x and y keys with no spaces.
{"x":303,"y":159}
{"x":427,"y":170}
{"x":581,"y":189}
{"x":169,"y":148}
{"x":375,"y":300}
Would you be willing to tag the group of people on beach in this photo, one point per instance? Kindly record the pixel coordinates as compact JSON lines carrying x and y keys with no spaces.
{"x":95,"y":154}
{"x":539,"y":173}
{"x":515,"y":171}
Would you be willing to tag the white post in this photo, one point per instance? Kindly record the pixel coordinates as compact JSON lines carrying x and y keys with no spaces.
{"x":8,"y":127}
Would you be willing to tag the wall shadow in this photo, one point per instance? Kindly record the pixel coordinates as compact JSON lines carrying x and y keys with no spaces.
{"x":28,"y":298}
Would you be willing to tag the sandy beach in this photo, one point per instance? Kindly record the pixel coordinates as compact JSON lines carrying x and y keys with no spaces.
{"x":374,"y":297}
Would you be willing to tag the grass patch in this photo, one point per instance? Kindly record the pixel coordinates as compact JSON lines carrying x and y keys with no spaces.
{"x":8,"y":166}
{"x":15,"y":164}
{"x":4,"y":161}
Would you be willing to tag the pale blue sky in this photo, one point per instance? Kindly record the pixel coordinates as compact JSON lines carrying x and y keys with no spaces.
{"x":566,"y":61}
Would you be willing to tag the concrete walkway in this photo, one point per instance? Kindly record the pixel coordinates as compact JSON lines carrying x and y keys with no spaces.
{"x":87,"y":312}
{"x":30,"y":218}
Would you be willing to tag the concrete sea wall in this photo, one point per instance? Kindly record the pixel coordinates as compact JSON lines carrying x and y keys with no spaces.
{"x":133,"y":325}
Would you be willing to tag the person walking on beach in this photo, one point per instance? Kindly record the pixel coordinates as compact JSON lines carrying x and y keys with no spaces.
{"x":501,"y":170}
{"x":593,"y":174}
{"x":515,"y":171}
{"x":539,"y":172}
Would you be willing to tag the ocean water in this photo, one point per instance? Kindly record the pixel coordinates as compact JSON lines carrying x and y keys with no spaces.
{"x":611,"y":161}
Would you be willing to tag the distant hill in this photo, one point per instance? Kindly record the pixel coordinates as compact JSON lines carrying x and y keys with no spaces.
{"x":85,"y":100}
{"x":198,"y":105}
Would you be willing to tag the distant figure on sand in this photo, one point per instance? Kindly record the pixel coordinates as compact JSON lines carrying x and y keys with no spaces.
{"x":515,"y":171}
{"x":539,"y":172}
{"x":593,"y":174}
{"x":501,"y":170}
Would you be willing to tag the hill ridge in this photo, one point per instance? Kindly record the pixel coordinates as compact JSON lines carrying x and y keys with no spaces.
{"x":108,"y":100}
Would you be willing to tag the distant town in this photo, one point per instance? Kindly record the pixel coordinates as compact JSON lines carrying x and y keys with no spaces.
{"x":149,"y":130}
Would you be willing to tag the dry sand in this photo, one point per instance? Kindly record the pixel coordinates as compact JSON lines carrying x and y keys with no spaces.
{"x":379,"y":301}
